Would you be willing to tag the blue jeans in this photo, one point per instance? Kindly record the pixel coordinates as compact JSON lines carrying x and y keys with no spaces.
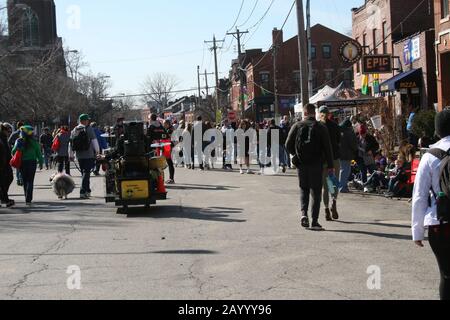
{"x":28,"y":172}
{"x":344,"y":175}
{"x":283,"y":156}
{"x":47,"y":156}
{"x":365,"y":169}
{"x":86,"y":166}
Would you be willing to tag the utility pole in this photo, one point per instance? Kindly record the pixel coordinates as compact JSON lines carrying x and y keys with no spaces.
{"x":302,"y":53}
{"x":206,"y":74}
{"x":275,"y":87}
{"x":237,"y":35}
{"x":308,"y":30}
{"x":199,"y":92}
{"x":214,"y":48}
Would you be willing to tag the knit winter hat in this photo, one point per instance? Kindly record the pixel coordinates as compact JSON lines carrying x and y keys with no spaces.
{"x":442,"y":123}
{"x":27,"y":131}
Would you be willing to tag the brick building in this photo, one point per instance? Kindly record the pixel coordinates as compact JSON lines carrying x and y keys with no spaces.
{"x":442,"y":45}
{"x":415,"y":84}
{"x":378,"y":24}
{"x":253,"y":73}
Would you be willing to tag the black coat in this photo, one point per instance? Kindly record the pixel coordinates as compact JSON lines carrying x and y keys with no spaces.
{"x":349,"y":144}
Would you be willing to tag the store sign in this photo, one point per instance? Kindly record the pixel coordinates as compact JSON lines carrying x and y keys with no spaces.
{"x":408,"y":85}
{"x":350,"y":51}
{"x":377,"y":64}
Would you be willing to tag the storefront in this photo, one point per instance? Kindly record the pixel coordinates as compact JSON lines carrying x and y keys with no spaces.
{"x":408,"y":85}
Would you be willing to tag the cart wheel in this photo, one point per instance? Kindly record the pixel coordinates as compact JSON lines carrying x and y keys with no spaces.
{"x":122,"y":210}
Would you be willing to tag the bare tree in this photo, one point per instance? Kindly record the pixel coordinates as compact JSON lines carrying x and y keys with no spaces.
{"x":76,"y":63}
{"x":159,"y":88}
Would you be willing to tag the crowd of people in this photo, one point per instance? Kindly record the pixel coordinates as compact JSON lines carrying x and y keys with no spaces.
{"x":327,"y":155}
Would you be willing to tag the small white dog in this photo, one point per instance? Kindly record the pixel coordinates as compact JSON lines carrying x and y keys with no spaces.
{"x":63,"y":185}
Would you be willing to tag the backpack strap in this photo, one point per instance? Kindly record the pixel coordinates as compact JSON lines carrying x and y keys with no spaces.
{"x":439,"y":153}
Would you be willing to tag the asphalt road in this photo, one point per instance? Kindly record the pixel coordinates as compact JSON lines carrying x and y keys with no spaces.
{"x":219,"y":236}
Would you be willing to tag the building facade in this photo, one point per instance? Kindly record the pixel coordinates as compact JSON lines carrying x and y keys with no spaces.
{"x":254,"y":80}
{"x":442,"y":45}
{"x":378,"y":24}
{"x":32,"y":34}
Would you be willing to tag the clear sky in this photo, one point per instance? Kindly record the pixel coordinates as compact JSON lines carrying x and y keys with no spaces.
{"x":129,"y":40}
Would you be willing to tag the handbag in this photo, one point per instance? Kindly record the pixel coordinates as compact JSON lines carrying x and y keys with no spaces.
{"x":56,"y":144}
{"x":16,"y":160}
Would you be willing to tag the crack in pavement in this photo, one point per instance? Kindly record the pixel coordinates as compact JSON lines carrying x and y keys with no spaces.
{"x":58,"y":245}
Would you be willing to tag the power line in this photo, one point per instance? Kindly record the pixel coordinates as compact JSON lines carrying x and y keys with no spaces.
{"x":276,"y":38}
{"x":239,"y":14}
{"x":149,"y":94}
{"x":264,"y":15}
{"x":381,"y":42}
{"x":251,"y":14}
{"x":371,"y":51}
{"x":147,"y":58}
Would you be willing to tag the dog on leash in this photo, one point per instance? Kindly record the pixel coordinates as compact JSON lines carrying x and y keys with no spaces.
{"x":63,"y":185}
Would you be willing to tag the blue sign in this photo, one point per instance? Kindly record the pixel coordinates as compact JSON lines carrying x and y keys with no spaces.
{"x":407,"y":52}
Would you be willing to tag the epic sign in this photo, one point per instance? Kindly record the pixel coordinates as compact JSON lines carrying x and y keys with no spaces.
{"x":377,"y":64}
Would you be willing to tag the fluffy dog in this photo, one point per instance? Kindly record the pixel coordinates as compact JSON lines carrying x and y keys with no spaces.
{"x":63,"y":185}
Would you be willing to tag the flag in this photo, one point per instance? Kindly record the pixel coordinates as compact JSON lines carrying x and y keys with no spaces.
{"x":365,"y":84}
{"x":376,"y":83}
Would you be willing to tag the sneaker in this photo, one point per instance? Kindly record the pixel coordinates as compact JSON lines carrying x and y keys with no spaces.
{"x":170,"y":181}
{"x":84,"y":196}
{"x":29,"y":204}
{"x":284,"y":169}
{"x":305,"y":222}
{"x":241,"y":171}
{"x":317,"y":227}
{"x":334,"y":211}
{"x":328,"y":215}
{"x":261,"y":172}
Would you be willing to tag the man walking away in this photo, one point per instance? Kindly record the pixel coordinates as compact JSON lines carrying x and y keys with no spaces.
{"x":431,"y":201}
{"x":85,"y":145}
{"x":46,"y":141}
{"x":309,"y":143}
{"x":348,"y":151}
{"x":335,"y":138}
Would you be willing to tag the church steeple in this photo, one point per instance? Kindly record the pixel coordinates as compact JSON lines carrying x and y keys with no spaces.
{"x":32,"y":23}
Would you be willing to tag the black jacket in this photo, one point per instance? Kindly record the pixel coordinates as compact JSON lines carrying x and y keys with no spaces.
{"x":327,"y":155}
{"x":335,"y":137}
{"x":349,"y":144}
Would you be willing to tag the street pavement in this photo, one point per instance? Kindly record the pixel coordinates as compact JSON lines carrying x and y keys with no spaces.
{"x":220,"y":235}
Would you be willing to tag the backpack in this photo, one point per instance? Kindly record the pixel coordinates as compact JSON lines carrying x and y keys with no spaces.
{"x":307,"y":143}
{"x":443,"y":197}
{"x":81,"y":141}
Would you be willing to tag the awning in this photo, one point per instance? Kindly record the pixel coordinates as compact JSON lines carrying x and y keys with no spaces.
{"x":404,"y":80}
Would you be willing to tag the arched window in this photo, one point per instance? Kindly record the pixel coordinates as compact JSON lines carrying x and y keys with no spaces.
{"x":30,"y":28}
